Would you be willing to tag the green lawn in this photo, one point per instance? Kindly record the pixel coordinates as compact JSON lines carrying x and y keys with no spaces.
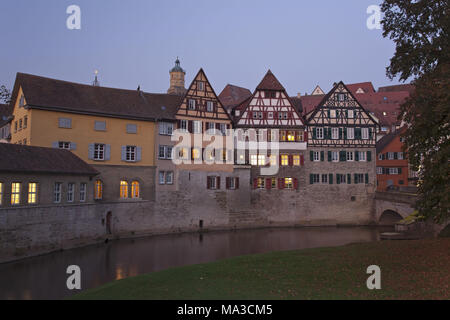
{"x":409,"y":270}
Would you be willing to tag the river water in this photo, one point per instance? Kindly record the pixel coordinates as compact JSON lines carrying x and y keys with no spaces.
{"x":45,"y":277}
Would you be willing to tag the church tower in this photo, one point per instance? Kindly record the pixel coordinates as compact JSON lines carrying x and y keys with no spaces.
{"x":177,"y":80}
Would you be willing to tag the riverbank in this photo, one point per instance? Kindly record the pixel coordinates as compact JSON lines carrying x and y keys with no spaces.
{"x":416,"y":269}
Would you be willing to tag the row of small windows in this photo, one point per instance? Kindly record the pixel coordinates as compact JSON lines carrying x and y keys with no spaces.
{"x":283,"y":160}
{"x":213,"y":183}
{"x":126,"y":190}
{"x":273,"y":135}
{"x":270,"y":115}
{"x":390,"y":171}
{"x":196,"y":127}
{"x":342,"y":133}
{"x":208,"y":106}
{"x":356,"y":178}
{"x":21,"y":124}
{"x":340,"y":156}
{"x":66,"y":123}
{"x":102,"y":152}
{"x":183,"y":153}
{"x":343,"y":113}
{"x":288,"y":183}
{"x":391,"y":156}
{"x":16,"y":193}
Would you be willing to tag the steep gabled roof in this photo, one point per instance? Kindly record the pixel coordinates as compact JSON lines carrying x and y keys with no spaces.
{"x":20,"y":158}
{"x":232,"y":96}
{"x":270,"y":82}
{"x":57,"y":95}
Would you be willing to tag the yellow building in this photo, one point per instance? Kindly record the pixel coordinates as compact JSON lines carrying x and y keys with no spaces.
{"x":108,"y":128}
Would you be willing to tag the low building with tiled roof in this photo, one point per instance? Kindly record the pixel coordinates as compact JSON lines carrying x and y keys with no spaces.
{"x":361,"y":88}
{"x":232,"y":95}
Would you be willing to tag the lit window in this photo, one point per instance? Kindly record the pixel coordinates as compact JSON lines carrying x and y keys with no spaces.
{"x":83,"y":189}
{"x":273,"y":160}
{"x":32,"y":193}
{"x":57,"y":192}
{"x":123,"y":189}
{"x":261,"y":160}
{"x":15,"y":193}
{"x":291,"y":136}
{"x":288,"y":184}
{"x":183,"y":153}
{"x":98,"y":190}
{"x":274,"y":183}
{"x":284,"y":160}
{"x":282,"y":135}
{"x":195,"y":154}
{"x":135,"y":189}
{"x":70,"y":192}
{"x":261,"y":183}
{"x":254,"y":160}
{"x":296,"y":159}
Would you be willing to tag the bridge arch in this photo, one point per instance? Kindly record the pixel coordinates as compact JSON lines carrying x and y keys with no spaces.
{"x":389,"y":218}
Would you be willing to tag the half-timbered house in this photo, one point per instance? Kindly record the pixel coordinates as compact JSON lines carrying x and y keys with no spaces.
{"x":342,"y":141}
{"x":271,"y":136}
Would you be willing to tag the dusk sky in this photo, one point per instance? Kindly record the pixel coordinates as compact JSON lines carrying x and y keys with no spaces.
{"x":136,"y":42}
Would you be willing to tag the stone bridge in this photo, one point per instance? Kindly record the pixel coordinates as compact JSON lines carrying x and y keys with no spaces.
{"x":392,"y":206}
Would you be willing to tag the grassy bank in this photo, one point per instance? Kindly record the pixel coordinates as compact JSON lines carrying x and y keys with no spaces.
{"x":409,"y":270}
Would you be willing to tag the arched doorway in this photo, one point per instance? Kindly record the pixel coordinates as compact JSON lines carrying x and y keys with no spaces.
{"x":389,"y":218}
{"x":109,"y":223}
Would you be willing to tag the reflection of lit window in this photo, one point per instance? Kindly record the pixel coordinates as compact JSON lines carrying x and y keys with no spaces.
{"x":254,"y":160}
{"x":261,"y":160}
{"x":195,"y":154}
{"x":291,"y":136}
{"x":261,"y":183}
{"x":296,"y":159}
{"x":1,"y":193}
{"x":123,"y":189}
{"x":15,"y":193}
{"x":284,"y":160}
{"x":282,"y":135}
{"x":273,"y":160}
{"x":288,"y":183}
{"x":98,"y":190}
{"x":135,"y":189}
{"x":274,"y":183}
{"x":32,"y":193}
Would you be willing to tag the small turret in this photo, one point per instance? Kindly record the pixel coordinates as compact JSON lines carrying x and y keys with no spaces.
{"x":177,"y":79}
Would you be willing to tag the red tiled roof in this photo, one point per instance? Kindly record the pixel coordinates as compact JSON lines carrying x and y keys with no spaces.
{"x":309,"y":103}
{"x":270,"y":82}
{"x":233,"y":95}
{"x":399,"y":87}
{"x":366,"y":86}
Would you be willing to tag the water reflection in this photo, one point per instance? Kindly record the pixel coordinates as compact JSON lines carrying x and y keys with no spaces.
{"x":45,"y":277}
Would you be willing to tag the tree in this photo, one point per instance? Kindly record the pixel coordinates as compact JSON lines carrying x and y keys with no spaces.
{"x":420,"y":30}
{"x":5,"y":95}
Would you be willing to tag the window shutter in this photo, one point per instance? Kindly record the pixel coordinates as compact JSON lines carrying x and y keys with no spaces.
{"x":227,"y":183}
{"x":329,"y":113}
{"x":322,"y":155}
{"x":236,"y":183}
{"x":311,"y":181}
{"x":314,"y":133}
{"x":349,"y":178}
{"x":107,"y":152}
{"x":291,"y":160}
{"x":190,"y":126}
{"x":370,"y":133}
{"x":208,"y":183}
{"x":357,"y":133}
{"x":356,"y":156}
{"x":91,"y":151}
{"x":138,"y":154}
{"x":311,"y":155}
{"x":338,"y":178}
{"x":345,"y":133}
{"x":330,"y":178}
{"x":329,"y":156}
{"x":268,"y":183}
{"x":395,"y":156}
{"x":306,"y":136}
{"x":367,"y":178}
{"x":369,"y":156}
{"x":283,"y":185}
{"x":218,"y":183}
{"x":255,"y":183}
{"x":124,"y":153}
{"x":73,"y":146}
{"x":342,"y":156}
{"x":55,"y":145}
{"x":399,"y":170}
{"x":340,"y":133}
{"x":295,"y":183}
{"x":279,"y":183}
{"x":356,"y":178}
{"x":346,"y":113}
{"x":302,"y":160}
